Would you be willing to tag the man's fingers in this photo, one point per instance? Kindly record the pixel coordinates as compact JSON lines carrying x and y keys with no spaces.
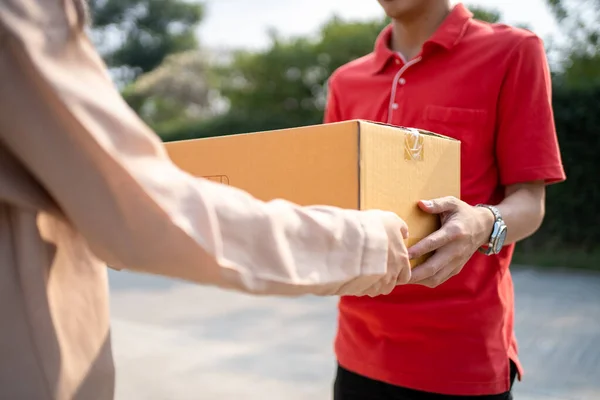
{"x":430,"y":267}
{"x":436,"y":280}
{"x":430,"y":243}
{"x":440,"y":205}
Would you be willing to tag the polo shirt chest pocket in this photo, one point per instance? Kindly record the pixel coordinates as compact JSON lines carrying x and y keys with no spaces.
{"x":469,"y":125}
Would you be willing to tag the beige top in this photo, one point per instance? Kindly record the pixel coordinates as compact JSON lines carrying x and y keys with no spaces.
{"x":83,"y":183}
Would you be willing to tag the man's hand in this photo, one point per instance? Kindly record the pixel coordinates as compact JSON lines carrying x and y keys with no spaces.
{"x":464,"y":229}
{"x":398,"y":263}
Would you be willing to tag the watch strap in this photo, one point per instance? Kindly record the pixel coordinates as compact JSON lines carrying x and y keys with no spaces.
{"x":493,"y":209}
{"x":486,"y":250}
{"x":489,"y":248}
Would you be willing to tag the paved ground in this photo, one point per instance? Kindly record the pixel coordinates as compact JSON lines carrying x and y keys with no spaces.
{"x":174,"y":341}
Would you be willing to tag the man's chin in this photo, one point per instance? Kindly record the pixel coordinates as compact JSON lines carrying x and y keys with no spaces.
{"x":397,"y":9}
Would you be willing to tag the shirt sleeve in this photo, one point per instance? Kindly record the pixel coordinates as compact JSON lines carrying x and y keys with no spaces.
{"x":526,"y":142}
{"x":111,"y":178}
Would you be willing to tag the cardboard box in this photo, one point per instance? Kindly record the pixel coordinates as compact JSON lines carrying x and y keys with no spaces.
{"x":353,"y":164}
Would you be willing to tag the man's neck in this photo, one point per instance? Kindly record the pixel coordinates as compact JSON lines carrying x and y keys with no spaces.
{"x":409,"y":34}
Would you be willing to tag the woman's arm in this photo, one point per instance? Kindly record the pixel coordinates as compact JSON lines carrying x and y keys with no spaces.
{"x":61,"y":116}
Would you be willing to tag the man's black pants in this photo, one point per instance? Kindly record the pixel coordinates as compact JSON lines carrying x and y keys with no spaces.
{"x":350,"y":386}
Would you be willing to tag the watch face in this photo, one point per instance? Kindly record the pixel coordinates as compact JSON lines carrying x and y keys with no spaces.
{"x":501,"y":239}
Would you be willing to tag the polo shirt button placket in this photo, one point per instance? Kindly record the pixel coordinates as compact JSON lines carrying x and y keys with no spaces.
{"x":401,"y":82}
{"x":398,"y":81}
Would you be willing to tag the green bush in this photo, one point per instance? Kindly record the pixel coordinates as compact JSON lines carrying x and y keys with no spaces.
{"x":572,"y":213}
{"x":233,"y":123}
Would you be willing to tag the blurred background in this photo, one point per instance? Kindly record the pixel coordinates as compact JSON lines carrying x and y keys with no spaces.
{"x":194,"y":69}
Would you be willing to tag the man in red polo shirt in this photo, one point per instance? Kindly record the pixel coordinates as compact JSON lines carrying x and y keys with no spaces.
{"x":488,"y":85}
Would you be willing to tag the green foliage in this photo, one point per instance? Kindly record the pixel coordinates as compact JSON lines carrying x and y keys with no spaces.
{"x":491,"y":15}
{"x":233,"y":123}
{"x":572,"y":214}
{"x":485,"y":14}
{"x":180,"y":88}
{"x":581,"y":69}
{"x":150,"y":30}
{"x":290,"y":76}
{"x":579,"y":21}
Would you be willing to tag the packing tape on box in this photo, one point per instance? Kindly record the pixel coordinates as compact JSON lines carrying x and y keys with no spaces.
{"x":413,"y":145}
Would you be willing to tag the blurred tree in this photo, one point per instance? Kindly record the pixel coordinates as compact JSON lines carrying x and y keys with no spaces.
{"x":579,"y":21}
{"x":180,"y":88}
{"x":289,"y":76}
{"x":135,"y":36}
{"x":491,"y":15}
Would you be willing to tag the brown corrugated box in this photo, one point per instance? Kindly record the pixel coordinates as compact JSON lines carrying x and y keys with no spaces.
{"x":353,"y":164}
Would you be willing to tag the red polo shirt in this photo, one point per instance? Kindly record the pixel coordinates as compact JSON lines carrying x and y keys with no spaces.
{"x":487,"y":85}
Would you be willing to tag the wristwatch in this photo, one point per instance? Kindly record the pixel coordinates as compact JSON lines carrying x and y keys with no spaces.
{"x":498,"y":235}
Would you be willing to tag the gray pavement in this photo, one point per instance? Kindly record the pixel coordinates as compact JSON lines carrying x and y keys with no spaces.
{"x":176,"y":341}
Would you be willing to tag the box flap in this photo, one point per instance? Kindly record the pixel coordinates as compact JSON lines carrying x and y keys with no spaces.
{"x":421,"y":131}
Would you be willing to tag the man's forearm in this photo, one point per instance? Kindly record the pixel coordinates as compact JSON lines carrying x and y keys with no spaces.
{"x":522,"y":210}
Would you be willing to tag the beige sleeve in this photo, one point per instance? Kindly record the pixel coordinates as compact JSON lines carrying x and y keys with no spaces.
{"x":110,"y":175}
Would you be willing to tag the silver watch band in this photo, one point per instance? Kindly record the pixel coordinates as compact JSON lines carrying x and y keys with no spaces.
{"x":498,"y":232}
{"x":493,"y":209}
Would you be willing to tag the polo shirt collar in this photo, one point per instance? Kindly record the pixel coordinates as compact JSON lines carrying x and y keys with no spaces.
{"x":447,"y":36}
